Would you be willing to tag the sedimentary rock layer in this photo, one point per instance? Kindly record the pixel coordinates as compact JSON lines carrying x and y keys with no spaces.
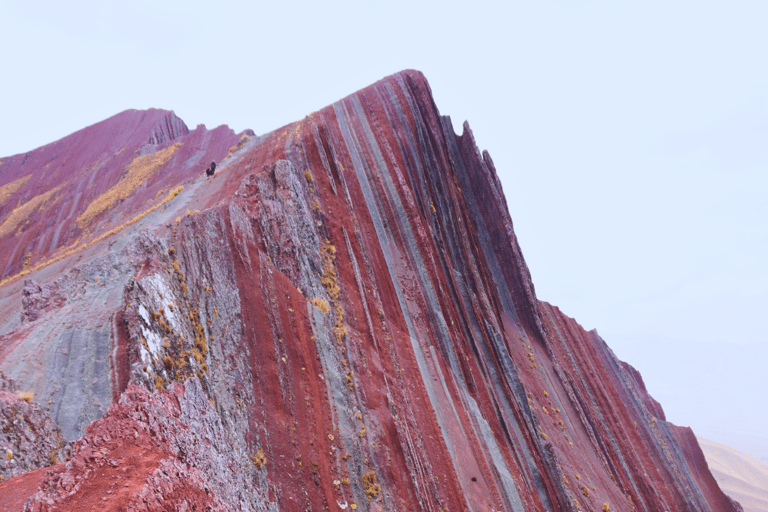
{"x":341,"y":318}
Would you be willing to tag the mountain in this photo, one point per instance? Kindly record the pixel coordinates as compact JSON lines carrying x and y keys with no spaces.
{"x":340,"y":318}
{"x":742,"y":477}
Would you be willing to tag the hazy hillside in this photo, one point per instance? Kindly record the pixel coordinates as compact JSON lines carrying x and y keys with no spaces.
{"x":742,"y":477}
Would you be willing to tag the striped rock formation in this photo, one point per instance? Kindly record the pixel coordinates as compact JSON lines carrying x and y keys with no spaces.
{"x":340,"y":319}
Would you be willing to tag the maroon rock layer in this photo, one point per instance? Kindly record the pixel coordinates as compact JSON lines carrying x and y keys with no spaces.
{"x":340,"y":319}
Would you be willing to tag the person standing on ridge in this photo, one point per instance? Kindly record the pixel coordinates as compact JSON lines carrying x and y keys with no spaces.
{"x":211,"y":169}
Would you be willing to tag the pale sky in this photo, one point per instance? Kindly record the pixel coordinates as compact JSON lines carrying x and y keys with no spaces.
{"x":630,"y":138}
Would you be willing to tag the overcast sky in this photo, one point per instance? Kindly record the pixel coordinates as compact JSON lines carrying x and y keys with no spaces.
{"x":630,"y":137}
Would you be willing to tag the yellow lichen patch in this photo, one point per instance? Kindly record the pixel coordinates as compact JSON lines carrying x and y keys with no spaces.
{"x":606,"y":507}
{"x":22,"y":213}
{"x":200,"y":342}
{"x":320,"y":304}
{"x":158,"y":382}
{"x":259,"y":459}
{"x":240,"y":145}
{"x":584,"y":490}
{"x":27,"y":396}
{"x":330,"y":281}
{"x":136,"y":174}
{"x":173,"y":193}
{"x":329,"y":278}
{"x":10,"y":188}
{"x":350,"y":378}
{"x":308,"y":176}
{"x":27,"y":261}
{"x":370,"y":487}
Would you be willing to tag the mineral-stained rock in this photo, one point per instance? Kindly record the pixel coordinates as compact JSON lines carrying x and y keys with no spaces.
{"x":340,"y":318}
{"x":29,"y":439}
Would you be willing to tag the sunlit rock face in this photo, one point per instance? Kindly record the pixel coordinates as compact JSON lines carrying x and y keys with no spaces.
{"x":340,"y":318}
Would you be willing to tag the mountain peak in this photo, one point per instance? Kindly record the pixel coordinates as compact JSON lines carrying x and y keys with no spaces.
{"x":169,"y":128}
{"x":340,"y":316}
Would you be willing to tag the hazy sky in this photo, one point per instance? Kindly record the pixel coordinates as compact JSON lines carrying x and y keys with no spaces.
{"x":630,"y":137}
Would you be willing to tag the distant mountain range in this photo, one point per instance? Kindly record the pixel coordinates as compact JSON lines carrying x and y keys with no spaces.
{"x":742,"y":477}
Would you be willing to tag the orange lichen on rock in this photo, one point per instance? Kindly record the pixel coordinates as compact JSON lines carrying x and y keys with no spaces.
{"x":320,"y":304}
{"x":259,"y":459}
{"x":330,"y":280}
{"x":370,"y":487}
{"x":136,"y":174}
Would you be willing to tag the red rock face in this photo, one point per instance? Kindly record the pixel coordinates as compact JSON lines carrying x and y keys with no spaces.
{"x":340,"y":319}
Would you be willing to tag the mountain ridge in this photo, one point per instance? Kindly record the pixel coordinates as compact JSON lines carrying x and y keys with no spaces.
{"x":344,"y":317}
{"x":70,"y":166}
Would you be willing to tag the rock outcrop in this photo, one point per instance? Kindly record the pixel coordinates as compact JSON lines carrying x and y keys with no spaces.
{"x":168,"y":128}
{"x":29,"y":439}
{"x":38,"y":298}
{"x":340,"y":318}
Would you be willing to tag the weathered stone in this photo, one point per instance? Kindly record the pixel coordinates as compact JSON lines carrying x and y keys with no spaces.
{"x":36,"y":299}
{"x":29,"y":439}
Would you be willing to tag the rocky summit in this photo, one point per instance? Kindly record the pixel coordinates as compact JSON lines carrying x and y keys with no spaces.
{"x":339,"y":318}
